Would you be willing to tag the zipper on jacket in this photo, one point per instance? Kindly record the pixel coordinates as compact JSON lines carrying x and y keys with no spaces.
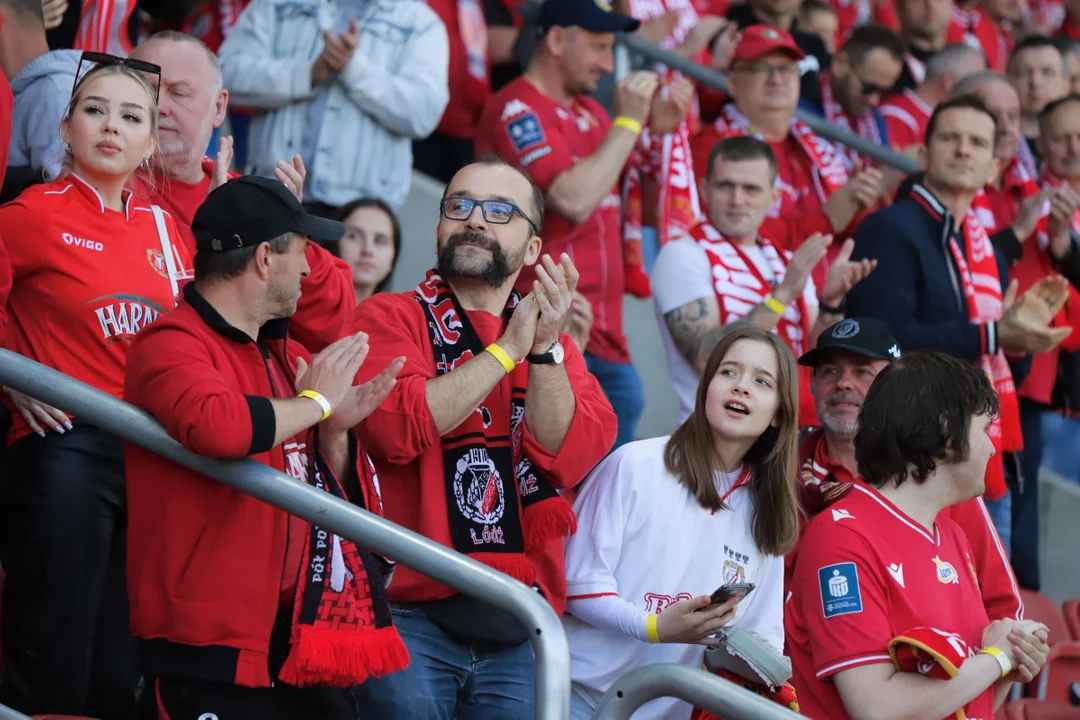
{"x":950,"y":261}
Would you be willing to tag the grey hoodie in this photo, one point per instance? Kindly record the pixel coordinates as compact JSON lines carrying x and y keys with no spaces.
{"x":42,"y":91}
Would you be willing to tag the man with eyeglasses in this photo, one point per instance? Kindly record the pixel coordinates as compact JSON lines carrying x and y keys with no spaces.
{"x":850,"y":91}
{"x":817,"y":195}
{"x":493,"y":413}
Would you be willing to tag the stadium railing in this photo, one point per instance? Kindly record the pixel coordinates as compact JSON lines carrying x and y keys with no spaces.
{"x":7,"y":713}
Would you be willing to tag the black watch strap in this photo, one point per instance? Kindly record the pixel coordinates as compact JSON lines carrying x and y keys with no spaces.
{"x":838,"y":310}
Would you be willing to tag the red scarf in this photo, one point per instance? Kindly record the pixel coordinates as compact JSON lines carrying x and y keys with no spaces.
{"x":865,"y":126}
{"x":1016,"y":175}
{"x":342,"y":630}
{"x":818,"y":488}
{"x":499,"y":505}
{"x":740,"y":286}
{"x":982,"y":291}
{"x":830,"y":174}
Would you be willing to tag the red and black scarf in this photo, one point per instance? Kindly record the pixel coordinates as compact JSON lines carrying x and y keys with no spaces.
{"x":499,"y":505}
{"x":342,"y":631}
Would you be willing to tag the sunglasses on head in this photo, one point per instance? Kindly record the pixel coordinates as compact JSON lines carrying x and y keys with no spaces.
{"x":96,"y":60}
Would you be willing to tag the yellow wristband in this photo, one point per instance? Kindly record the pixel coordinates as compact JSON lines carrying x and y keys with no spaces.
{"x":775,"y":305}
{"x":500,"y":355}
{"x":629,"y":123}
{"x":650,"y":629}
{"x":323,"y":402}
{"x":1003,"y":660}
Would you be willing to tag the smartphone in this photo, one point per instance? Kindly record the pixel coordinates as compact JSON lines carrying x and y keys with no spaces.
{"x":726,"y":592}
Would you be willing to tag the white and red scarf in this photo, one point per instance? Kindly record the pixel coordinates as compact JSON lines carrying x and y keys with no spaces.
{"x":830,"y":172}
{"x":982,"y":291}
{"x":1042,"y":230}
{"x":1015,"y":175}
{"x":865,"y":126}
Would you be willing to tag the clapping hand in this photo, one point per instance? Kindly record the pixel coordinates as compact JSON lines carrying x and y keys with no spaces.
{"x":1064,"y":203}
{"x":222,"y":162}
{"x":362,"y":400}
{"x":553,"y":290}
{"x":668,"y":112}
{"x":802,"y":264}
{"x":1024,"y":325}
{"x":579,"y":322}
{"x":844,"y":274}
{"x":292,"y":176}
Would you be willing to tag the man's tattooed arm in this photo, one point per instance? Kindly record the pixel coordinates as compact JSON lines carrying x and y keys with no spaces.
{"x":695,"y":328}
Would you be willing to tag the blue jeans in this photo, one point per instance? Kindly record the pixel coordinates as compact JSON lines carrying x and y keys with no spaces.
{"x":1001,"y":513}
{"x":1061,"y":445}
{"x":446,"y":680}
{"x":579,"y":709}
{"x":623,"y":388}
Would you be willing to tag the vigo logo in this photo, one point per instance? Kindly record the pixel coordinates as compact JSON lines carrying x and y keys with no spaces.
{"x":83,"y":243}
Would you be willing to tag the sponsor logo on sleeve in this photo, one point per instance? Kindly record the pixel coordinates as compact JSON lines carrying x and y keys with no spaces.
{"x":526,"y":132}
{"x":840,"y":593}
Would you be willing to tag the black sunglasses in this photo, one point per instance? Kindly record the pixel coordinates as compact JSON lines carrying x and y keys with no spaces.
{"x":97,"y":59}
{"x":496,"y":212}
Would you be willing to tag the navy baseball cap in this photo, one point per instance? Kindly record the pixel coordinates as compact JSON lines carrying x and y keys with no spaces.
{"x":591,"y":15}
{"x":863,"y":336}
{"x":250,"y":210}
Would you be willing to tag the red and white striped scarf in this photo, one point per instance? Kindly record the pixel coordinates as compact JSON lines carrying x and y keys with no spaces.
{"x":1015,"y":175}
{"x":865,"y":126}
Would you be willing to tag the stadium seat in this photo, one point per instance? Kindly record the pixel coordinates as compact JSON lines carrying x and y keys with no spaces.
{"x":1071,"y":611}
{"x":1040,"y":710}
{"x":1061,"y":671}
{"x":1039,"y":607}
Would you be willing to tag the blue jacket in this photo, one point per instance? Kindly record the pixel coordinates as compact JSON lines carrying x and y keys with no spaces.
{"x":42,"y":91}
{"x":916,"y":287}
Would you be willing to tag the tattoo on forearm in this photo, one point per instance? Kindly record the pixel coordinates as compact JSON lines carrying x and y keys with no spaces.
{"x":694,"y":327}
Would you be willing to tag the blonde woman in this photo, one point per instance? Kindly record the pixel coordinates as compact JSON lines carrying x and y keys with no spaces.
{"x":663,"y":523}
{"x":91,"y":266}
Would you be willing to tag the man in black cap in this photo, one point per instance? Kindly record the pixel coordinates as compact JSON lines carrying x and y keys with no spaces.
{"x":847,"y":358}
{"x":245,"y":611}
{"x":545,"y":123}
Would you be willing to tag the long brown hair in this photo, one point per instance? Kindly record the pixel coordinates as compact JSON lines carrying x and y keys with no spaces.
{"x":691,"y":454}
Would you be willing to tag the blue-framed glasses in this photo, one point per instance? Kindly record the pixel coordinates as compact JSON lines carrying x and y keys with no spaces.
{"x":496,"y":212}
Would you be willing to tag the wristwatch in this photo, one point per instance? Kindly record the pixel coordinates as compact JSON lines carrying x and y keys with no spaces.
{"x":554,"y":356}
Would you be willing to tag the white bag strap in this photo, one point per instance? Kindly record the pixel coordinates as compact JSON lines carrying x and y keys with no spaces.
{"x":166,"y":249}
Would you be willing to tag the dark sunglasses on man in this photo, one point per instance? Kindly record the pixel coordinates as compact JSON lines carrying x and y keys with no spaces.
{"x":96,"y":59}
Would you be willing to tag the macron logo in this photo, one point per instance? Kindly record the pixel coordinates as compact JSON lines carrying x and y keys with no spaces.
{"x":897,"y":572}
{"x":842,"y":515}
{"x":83,"y":243}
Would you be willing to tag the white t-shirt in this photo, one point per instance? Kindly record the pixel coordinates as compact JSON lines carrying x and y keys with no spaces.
{"x":643,"y":537}
{"x":681,"y":275}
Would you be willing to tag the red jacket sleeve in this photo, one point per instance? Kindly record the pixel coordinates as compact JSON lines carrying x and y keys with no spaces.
{"x":1000,"y":593}
{"x":171,"y":374}
{"x":5,"y":286}
{"x":327,"y":301}
{"x":402,"y":428}
{"x":591,"y":434}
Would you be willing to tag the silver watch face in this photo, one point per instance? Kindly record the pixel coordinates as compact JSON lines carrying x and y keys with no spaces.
{"x":557,"y":353}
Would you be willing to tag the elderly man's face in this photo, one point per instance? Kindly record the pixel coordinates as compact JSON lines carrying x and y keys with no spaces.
{"x":840,"y":383}
{"x":192,"y":102}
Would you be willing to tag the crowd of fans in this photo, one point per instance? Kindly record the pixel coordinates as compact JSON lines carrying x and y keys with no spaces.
{"x":871,"y":367}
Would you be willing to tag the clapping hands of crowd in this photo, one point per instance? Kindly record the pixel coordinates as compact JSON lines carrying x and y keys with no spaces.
{"x":863,"y":190}
{"x":338,"y":49}
{"x":670,"y":108}
{"x":540,"y":315}
{"x":1064,"y":203}
{"x":1024,"y":642}
{"x":634,"y":95}
{"x":332,"y":373}
{"x":693,"y":622}
{"x":844,"y":274}
{"x":1024,"y":326}
{"x":579,"y":321}
{"x":802,"y":264}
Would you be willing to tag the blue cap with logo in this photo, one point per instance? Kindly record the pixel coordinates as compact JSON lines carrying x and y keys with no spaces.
{"x":865,"y":336}
{"x":591,"y":15}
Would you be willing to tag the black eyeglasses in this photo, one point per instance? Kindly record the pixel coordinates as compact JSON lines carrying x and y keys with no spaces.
{"x":103,"y":60}
{"x":496,"y":212}
{"x":869,"y":89}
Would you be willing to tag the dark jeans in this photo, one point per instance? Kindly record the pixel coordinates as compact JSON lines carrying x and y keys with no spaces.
{"x":67,"y":646}
{"x":171,"y":699}
{"x":624,"y":391}
{"x":1025,"y":505}
{"x":441,"y":156}
{"x":447,"y":680}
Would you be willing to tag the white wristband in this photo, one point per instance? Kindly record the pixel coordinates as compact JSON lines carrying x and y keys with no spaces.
{"x":1002,"y":659}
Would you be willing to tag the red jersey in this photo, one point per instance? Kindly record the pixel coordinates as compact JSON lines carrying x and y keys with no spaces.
{"x":103,"y":27}
{"x":533,"y":132}
{"x":866,"y":574}
{"x":7,"y":102}
{"x":974,"y":29}
{"x":405,"y":445}
{"x":906,"y":117}
{"x":327,"y":295}
{"x":470,"y":65}
{"x":86,"y":279}
{"x":850,"y":14}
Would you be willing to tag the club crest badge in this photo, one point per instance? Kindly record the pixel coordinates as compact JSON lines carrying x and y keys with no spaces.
{"x":733,"y":573}
{"x":478,"y":488}
{"x":157,"y":261}
{"x":946,"y":573}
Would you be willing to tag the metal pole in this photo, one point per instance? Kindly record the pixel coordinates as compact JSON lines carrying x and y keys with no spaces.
{"x":281,"y":491}
{"x":716,"y":80}
{"x":7,"y":713}
{"x":700,"y":688}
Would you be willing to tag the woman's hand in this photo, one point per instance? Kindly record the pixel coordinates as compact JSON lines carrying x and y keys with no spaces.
{"x":691,"y":622}
{"x":38,"y":415}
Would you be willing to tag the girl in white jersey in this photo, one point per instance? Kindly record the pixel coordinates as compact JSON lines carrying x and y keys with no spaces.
{"x":662,"y":523}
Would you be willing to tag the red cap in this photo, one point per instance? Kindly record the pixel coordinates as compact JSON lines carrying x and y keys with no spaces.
{"x":758,"y":40}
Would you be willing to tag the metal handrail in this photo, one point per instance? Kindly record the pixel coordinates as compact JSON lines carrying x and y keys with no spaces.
{"x":7,"y":713}
{"x":819,"y":125}
{"x":702,"y":689}
{"x":363,"y":528}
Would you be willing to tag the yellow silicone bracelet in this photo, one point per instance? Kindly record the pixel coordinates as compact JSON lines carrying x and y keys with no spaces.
{"x":1002,"y":659}
{"x":500,"y":355}
{"x":775,"y":305}
{"x":629,"y":123}
{"x":650,"y":629}
{"x":323,"y":402}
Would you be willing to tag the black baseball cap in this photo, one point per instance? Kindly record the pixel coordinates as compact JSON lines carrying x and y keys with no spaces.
{"x":591,"y":15}
{"x":250,"y":210}
{"x":864,"y":336}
